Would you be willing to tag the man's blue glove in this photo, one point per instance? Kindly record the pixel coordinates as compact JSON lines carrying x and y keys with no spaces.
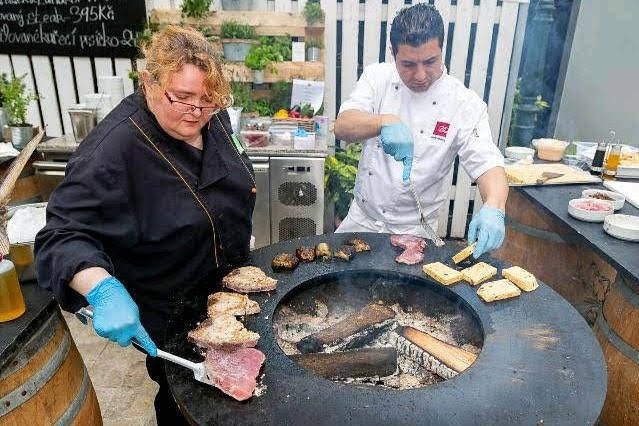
{"x":397,"y":141}
{"x":487,"y":227}
{"x":116,"y":316}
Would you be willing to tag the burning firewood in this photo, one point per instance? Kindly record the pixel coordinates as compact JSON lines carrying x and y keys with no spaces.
{"x":367,"y":317}
{"x":365,"y":362}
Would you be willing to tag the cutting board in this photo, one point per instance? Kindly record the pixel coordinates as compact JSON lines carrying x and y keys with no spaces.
{"x":527,"y":175}
{"x":630,"y":190}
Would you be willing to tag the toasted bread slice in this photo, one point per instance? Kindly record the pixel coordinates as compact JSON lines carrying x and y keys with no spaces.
{"x":223,"y":332}
{"x":224,"y":302}
{"x":478,"y":273}
{"x":464,"y":254}
{"x":248,"y":279}
{"x":521,"y":278}
{"x":442,"y":273}
{"x":498,"y":290}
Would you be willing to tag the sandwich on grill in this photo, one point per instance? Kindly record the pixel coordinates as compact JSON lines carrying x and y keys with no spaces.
{"x":224,"y":302}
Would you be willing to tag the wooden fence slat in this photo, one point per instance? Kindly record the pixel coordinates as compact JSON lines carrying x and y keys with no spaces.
{"x":46,"y":90}
{"x":103,"y":66}
{"x":443,"y":211}
{"x":282,"y":5}
{"x":83,"y":76}
{"x":350,"y":31}
{"x":66,"y":88}
{"x":21,"y":67}
{"x":372,"y":31}
{"x":122,"y":68}
{"x":330,"y":56}
{"x":444,"y":9}
{"x":300,"y":6}
{"x":259,"y":5}
{"x":5,"y":66}
{"x":393,"y":7}
{"x":481,"y":52}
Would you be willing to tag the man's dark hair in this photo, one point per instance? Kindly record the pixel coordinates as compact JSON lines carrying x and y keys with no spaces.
{"x":416,"y":25}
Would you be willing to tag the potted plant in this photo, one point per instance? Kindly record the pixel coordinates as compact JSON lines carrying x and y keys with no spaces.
{"x":313,"y":46}
{"x":260,"y":57}
{"x":4,"y":119}
{"x":237,"y":4}
{"x":196,"y":8}
{"x":313,"y":12}
{"x":16,"y":100}
{"x":237,"y":40}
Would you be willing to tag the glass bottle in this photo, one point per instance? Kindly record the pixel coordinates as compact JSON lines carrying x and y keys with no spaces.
{"x":11,"y":300}
{"x":596,"y":168}
{"x":612,"y":162}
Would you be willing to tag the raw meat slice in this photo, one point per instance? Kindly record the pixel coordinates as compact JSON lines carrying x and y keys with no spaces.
{"x":413,"y":248}
{"x":235,"y":372}
{"x":403,"y":241}
{"x":410,"y":256}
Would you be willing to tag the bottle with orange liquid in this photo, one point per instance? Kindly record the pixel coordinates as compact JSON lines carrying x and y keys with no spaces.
{"x":11,"y":300}
{"x":612,"y":162}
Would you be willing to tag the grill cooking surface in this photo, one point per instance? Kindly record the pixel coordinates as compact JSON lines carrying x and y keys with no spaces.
{"x":539,"y":359}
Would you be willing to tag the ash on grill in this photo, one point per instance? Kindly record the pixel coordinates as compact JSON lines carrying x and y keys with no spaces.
{"x":317,"y":309}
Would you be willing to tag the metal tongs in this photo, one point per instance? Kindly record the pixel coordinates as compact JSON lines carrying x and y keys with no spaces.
{"x":430,"y":232}
{"x":198,"y":368}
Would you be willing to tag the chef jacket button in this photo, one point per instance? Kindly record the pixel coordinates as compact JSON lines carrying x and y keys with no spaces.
{"x":384,"y":211}
{"x":434,"y":102}
{"x":421,"y":131}
{"x":396,"y":87}
{"x":370,"y":173}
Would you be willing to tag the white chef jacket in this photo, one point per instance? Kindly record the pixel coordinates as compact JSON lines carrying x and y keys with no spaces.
{"x":446,"y":120}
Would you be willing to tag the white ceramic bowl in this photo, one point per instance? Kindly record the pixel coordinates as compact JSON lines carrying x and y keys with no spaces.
{"x":622,"y":226}
{"x":519,"y":152}
{"x":617,"y":201}
{"x":576,"y":209}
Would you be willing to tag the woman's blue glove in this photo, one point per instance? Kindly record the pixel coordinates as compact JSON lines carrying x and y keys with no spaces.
{"x":397,"y":141}
{"x":116,"y":316}
{"x":487,"y":227}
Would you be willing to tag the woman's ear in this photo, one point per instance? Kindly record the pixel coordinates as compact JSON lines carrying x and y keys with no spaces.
{"x":147,"y":80}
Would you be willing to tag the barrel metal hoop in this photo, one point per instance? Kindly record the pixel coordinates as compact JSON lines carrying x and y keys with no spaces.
{"x":627,"y":292}
{"x":22,"y":394}
{"x":534,"y":232}
{"x":617,"y":341}
{"x":40,"y":338}
{"x":77,"y":403}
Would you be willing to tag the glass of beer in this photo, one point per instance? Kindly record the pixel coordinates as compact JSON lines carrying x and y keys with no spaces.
{"x":11,"y":300}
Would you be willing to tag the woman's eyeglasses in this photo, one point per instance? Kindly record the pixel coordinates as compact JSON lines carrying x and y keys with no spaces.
{"x":186,"y":108}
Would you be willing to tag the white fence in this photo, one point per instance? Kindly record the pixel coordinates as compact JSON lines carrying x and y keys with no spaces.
{"x":495,"y":27}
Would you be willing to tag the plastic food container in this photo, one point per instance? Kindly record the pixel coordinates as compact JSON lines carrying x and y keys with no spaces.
{"x":590,"y":209}
{"x":622,"y":226}
{"x":550,"y":149}
{"x":615,"y":198}
{"x":519,"y":152}
{"x":254,"y":138}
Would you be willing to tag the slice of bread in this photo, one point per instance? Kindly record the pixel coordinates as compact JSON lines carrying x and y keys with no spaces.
{"x":248,"y":279}
{"x":498,"y":290}
{"x":521,"y":278}
{"x":442,"y":273}
{"x":224,"y":302}
{"x":478,"y":273}
{"x":223,"y":332}
{"x":464,"y":254}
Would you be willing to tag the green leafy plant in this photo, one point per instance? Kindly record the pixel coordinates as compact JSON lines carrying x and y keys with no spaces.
{"x":16,"y":100}
{"x":339,"y":177}
{"x":261,"y":56}
{"x":313,"y":12}
{"x":3,"y":82}
{"x":263,"y":107}
{"x":209,"y":33}
{"x":282,"y":45}
{"x":195,"y":8}
{"x":143,"y":38}
{"x":314,"y":42}
{"x":241,"y":95}
{"x":281,"y":95}
{"x":540,"y":103}
{"x":233,"y":29}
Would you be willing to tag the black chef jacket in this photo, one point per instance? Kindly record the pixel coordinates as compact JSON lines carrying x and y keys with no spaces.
{"x":154,"y":212}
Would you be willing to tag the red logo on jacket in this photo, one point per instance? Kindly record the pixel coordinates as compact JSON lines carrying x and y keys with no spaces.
{"x":441,"y":129}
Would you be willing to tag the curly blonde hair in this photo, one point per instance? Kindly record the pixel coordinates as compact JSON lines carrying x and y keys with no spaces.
{"x":174,"y":47}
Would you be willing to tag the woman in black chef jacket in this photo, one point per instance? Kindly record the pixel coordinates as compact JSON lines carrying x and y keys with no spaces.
{"x":158,"y":196}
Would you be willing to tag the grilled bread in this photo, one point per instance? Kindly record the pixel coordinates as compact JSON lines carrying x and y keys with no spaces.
{"x":323,"y":252}
{"x":359,"y":245}
{"x":231,"y":303}
{"x":442,"y":273}
{"x":345,"y":253}
{"x":223,"y":332}
{"x":498,"y":290}
{"x":284,"y":262}
{"x":464,"y":254}
{"x":248,"y":279}
{"x":478,"y":273}
{"x":521,"y":278}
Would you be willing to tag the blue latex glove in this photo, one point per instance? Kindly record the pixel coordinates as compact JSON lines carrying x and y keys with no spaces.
{"x":397,"y":141}
{"x":116,"y":316}
{"x":487,"y":227}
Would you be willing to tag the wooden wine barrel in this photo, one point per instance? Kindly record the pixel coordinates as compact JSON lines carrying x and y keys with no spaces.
{"x":618,"y":335}
{"x":47,"y":382}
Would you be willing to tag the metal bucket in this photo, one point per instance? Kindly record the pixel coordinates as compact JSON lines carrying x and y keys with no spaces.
{"x":313,"y":54}
{"x":82,"y":122}
{"x":258,"y":76}
{"x":21,"y":135}
{"x":236,"y":50}
{"x":4,"y":120}
{"x":237,"y":4}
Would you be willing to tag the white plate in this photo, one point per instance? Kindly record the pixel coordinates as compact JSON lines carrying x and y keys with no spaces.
{"x":589,"y":215}
{"x":617,"y":201}
{"x":622,"y":226}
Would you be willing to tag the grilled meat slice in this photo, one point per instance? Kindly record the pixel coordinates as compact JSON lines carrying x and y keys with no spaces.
{"x":248,"y":279}
{"x":223,"y":332}
{"x":235,"y":372}
{"x":359,"y":245}
{"x":323,"y":252}
{"x":345,"y":253}
{"x":224,"y":302}
{"x":305,"y":254}
{"x":284,"y":262}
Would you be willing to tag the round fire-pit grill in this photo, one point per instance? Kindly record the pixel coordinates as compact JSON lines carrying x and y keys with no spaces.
{"x":540,"y":362}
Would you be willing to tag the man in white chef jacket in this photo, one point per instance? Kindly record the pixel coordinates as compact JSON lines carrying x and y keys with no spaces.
{"x":415,"y":119}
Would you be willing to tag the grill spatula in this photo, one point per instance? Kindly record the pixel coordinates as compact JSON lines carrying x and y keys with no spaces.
{"x":198,"y":368}
{"x":430,"y":232}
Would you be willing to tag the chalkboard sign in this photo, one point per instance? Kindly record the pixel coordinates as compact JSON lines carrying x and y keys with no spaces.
{"x":71,"y":27}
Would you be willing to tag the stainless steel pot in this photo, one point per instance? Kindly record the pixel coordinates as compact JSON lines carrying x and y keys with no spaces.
{"x":21,"y":135}
{"x":83,"y":120}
